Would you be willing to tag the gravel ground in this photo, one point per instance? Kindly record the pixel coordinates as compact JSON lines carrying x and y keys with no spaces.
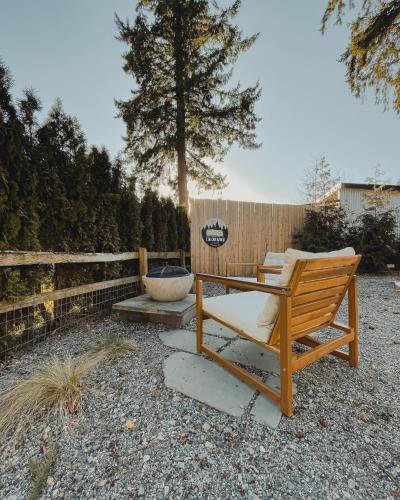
{"x":343,"y":441}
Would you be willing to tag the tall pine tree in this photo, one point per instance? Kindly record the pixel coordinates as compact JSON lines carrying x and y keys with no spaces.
{"x":182,"y":114}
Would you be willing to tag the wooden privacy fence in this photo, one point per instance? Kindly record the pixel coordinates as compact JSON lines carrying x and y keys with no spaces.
{"x":253,"y":228}
{"x":24,"y":320}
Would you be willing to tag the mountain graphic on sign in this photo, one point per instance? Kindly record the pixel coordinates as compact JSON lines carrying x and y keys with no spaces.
{"x":215,"y":226}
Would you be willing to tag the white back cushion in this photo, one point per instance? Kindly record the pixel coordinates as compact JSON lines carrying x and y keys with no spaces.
{"x":271,"y":308}
{"x":274,"y":259}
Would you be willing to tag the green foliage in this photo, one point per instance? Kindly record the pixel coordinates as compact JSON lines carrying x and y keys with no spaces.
{"x":160,"y":225}
{"x":146,"y":217}
{"x":40,"y":472}
{"x":66,"y":213}
{"x":55,"y":195}
{"x":324,"y":229}
{"x":18,"y":180}
{"x":130,"y":226}
{"x":172,"y":234}
{"x":372,"y":57}
{"x":373,"y":236}
{"x":180,"y":55}
{"x":183,"y":227}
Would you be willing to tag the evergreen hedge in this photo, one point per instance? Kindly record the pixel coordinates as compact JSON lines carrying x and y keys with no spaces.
{"x":56,"y":194}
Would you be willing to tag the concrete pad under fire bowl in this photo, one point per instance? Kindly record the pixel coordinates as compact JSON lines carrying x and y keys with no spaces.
{"x":144,"y":308}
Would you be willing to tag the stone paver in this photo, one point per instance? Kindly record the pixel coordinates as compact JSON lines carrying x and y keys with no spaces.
{"x":213,"y":328}
{"x":266,"y":412}
{"x":186,"y":340}
{"x":249,"y":354}
{"x":201,"y":379}
{"x":275,"y":383}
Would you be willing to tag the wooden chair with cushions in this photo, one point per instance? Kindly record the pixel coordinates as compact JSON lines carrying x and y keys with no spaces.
{"x":307,"y":304}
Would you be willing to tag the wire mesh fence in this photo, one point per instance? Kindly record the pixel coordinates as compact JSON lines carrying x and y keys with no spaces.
{"x":24,"y":326}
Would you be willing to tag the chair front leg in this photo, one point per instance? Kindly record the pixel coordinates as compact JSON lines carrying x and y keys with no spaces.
{"x":286,"y":355}
{"x":199,"y":314}
{"x":260,"y":276}
{"x":353,"y":322}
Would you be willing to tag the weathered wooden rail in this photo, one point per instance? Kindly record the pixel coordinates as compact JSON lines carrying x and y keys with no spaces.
{"x":19,"y":318}
{"x":19,"y":258}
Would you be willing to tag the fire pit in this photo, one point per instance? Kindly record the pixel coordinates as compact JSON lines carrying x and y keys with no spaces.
{"x":168,"y":283}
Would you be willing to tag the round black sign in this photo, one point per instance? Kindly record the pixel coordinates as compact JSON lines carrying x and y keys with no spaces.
{"x":214,"y":232}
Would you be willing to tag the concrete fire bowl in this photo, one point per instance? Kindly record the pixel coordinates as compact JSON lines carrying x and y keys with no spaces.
{"x":168,"y":289}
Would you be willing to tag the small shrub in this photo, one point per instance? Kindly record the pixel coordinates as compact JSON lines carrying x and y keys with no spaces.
{"x":57,"y":383}
{"x":114,"y":345}
{"x":373,"y":236}
{"x":40,"y":472}
{"x":324,"y":229}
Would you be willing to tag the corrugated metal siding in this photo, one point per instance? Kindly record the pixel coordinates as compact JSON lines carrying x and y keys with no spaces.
{"x":354,"y":203}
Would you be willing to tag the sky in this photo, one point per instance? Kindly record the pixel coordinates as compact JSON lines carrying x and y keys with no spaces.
{"x":67,"y":49}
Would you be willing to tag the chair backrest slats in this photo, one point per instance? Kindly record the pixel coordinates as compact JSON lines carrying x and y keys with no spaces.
{"x":311,"y":297}
{"x":318,"y":287}
{"x":320,"y":284}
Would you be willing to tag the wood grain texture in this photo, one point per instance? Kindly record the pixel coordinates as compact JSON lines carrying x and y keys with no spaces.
{"x":45,"y":258}
{"x":11,"y":258}
{"x":254,"y":228}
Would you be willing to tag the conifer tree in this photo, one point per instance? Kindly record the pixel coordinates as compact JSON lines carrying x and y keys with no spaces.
{"x":66,"y":214}
{"x":172,"y":233}
{"x":183,"y":229}
{"x":160,"y":225}
{"x":146,"y":217}
{"x":104,"y":200}
{"x":182,"y":113}
{"x":130,"y":226}
{"x":372,"y":57}
{"x":18,"y":202}
{"x":18,"y":219}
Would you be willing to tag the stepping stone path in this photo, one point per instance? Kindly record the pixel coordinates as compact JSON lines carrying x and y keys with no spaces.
{"x":211,"y":327}
{"x":249,"y":354}
{"x":199,"y":378}
{"x":209,"y":383}
{"x":186,"y":340}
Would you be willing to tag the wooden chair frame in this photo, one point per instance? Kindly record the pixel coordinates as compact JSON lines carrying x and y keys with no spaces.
{"x":308,"y":304}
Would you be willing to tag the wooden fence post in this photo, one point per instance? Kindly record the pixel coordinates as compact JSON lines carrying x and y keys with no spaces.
{"x":182,"y":261}
{"x":143,"y":266}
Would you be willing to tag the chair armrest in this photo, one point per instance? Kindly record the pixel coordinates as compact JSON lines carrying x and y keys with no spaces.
{"x":243,"y":285}
{"x":269,"y":269}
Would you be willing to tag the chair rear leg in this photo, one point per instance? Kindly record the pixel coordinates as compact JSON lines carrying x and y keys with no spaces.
{"x":286,"y":357}
{"x":199,"y":315}
{"x":286,"y":387}
{"x":353,"y":322}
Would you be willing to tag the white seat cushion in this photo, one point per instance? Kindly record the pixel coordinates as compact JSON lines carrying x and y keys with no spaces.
{"x":240,"y":310}
{"x":271,"y":307}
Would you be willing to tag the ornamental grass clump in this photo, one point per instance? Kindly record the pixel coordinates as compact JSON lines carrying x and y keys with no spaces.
{"x":114,"y":345}
{"x":54,"y":384}
{"x":40,"y":472}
